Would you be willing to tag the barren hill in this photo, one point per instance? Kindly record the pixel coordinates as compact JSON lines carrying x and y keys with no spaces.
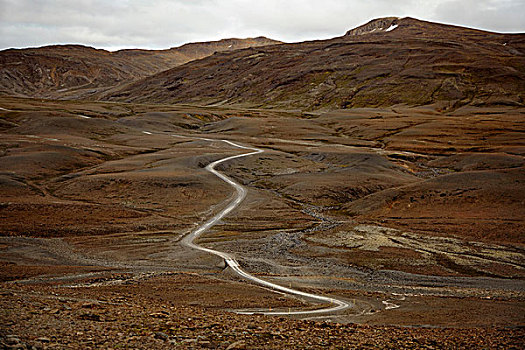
{"x":78,"y":71}
{"x":406,"y":223}
{"x":384,"y":62}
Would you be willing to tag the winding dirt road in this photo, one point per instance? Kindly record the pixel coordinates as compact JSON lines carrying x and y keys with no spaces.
{"x":336,"y":305}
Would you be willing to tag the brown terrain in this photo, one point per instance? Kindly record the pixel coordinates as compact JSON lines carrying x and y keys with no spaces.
{"x":76,"y":71}
{"x":392,"y":178}
{"x":417,"y":63}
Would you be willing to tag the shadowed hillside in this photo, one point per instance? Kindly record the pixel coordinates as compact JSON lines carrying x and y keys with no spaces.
{"x":75,"y":71}
{"x":384,"y":62}
{"x":383,"y":208}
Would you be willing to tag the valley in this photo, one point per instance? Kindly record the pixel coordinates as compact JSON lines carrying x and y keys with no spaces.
{"x":362,"y":216}
{"x":235,"y":201}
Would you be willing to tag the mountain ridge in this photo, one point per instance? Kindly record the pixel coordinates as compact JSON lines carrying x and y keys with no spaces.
{"x":415,"y":63}
{"x":78,"y":71}
{"x":384,"y":62}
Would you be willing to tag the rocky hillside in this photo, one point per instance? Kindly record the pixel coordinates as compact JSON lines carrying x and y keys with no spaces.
{"x":384,"y":62}
{"x":74,"y":71}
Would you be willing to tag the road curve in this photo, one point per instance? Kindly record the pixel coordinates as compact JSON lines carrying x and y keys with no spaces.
{"x":335,"y":304}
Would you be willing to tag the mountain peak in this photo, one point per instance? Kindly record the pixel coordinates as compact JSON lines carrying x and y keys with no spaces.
{"x":384,"y":24}
{"x":384,"y":62}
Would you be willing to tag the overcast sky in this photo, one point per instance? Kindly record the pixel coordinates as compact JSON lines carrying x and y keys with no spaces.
{"x":115,"y":24}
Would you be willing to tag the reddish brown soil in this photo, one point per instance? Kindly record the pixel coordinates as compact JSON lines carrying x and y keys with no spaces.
{"x":412,"y":212}
{"x":343,"y":203}
{"x":418,"y":63}
{"x":14,"y":272}
{"x":162,"y":312}
{"x":78,"y":71}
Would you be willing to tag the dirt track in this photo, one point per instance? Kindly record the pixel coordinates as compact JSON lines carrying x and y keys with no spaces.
{"x":95,"y":208}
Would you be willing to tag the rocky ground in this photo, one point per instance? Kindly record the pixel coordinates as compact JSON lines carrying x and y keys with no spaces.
{"x":185,"y":311}
{"x":412,"y":214}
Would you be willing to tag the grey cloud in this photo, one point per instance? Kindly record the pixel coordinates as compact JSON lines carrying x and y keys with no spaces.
{"x":494,"y":15}
{"x":167,"y":23}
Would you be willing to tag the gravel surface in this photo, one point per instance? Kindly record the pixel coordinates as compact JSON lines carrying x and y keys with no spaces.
{"x":155,"y":314}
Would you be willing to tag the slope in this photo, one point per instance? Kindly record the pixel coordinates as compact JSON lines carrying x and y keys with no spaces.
{"x":385,"y":62}
{"x":74,"y":71}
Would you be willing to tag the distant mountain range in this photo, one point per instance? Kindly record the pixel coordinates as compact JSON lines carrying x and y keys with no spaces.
{"x":385,"y":62}
{"x":75,"y":71}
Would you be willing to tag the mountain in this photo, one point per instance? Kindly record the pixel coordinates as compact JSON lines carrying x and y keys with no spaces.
{"x":74,"y":71}
{"x":385,"y":62}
